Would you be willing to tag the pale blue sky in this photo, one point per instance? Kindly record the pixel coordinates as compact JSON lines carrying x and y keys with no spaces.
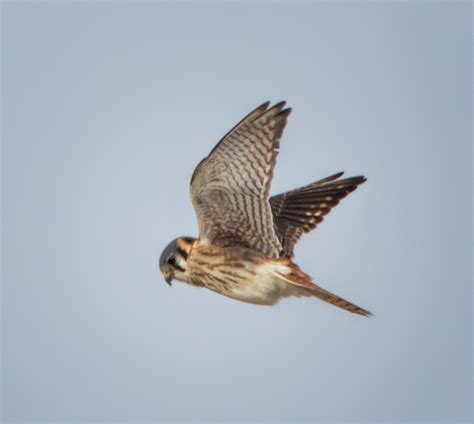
{"x":107,"y":108}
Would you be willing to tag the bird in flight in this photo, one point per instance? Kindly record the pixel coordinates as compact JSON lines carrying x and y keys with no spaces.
{"x":246,"y":238}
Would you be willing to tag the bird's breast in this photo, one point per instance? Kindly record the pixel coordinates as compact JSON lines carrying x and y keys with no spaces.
{"x":234,"y":272}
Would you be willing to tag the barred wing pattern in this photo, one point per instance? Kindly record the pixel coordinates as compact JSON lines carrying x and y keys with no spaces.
{"x":229,"y":188}
{"x":301,"y":210}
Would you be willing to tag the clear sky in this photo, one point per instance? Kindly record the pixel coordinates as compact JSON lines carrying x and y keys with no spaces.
{"x":108,"y":107}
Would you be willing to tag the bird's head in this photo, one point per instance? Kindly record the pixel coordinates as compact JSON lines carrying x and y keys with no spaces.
{"x":174,"y":259}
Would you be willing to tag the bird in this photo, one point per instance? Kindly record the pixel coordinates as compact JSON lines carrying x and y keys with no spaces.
{"x":246,"y":242}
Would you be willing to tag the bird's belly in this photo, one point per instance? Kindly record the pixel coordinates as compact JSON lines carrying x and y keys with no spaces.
{"x":257,"y":286}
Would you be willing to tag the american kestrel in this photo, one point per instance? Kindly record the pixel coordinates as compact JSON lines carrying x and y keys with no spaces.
{"x":246,"y":239}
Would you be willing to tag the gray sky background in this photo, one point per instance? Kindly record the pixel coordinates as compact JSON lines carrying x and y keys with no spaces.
{"x":108,"y":107}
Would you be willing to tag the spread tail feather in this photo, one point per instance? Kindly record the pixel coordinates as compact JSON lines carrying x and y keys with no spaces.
{"x":298,"y":278}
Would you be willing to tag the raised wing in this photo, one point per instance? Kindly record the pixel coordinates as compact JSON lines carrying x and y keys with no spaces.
{"x":300,"y":211}
{"x":229,"y":188}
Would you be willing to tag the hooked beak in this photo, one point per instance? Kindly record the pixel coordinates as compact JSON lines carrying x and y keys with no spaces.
{"x":168,"y":274}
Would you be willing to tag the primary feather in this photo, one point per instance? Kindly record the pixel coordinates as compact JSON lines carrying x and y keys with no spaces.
{"x":301,"y":210}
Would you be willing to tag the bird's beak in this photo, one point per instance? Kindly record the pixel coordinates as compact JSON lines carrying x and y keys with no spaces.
{"x":168,"y":274}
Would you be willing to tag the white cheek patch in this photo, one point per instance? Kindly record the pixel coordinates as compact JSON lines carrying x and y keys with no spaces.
{"x":181,"y":262}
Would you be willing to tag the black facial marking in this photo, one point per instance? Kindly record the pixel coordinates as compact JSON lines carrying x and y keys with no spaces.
{"x":183,"y":253}
{"x":179,"y":268}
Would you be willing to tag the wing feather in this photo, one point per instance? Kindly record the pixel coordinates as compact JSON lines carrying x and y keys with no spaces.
{"x":301,"y":210}
{"x":229,"y":188}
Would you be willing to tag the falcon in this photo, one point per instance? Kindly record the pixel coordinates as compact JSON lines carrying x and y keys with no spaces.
{"x":246,"y":238}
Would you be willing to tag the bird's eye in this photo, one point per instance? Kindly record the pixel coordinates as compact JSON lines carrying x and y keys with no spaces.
{"x":172,"y":260}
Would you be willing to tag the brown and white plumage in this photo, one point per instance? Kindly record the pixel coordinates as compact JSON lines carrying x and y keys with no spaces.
{"x":301,"y":210}
{"x":246,"y":239}
{"x":229,"y":188}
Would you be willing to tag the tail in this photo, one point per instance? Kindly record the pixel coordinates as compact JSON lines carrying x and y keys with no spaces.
{"x":296,"y":277}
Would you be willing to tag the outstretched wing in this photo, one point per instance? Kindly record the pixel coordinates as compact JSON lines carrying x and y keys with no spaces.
{"x":300,"y":211}
{"x":229,"y":188}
